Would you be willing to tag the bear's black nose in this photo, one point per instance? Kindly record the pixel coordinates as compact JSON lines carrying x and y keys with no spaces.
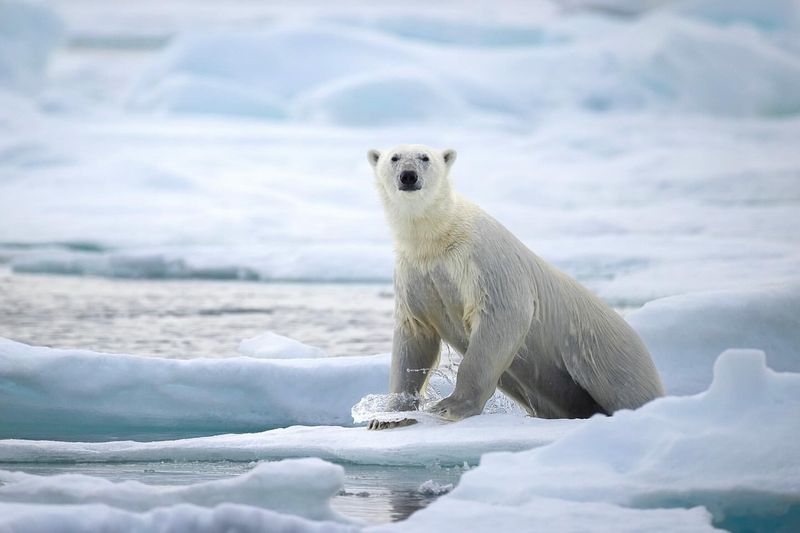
{"x":408,"y":178}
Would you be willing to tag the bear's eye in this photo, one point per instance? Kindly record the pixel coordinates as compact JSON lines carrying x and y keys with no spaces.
{"x":424,"y":158}
{"x":395,"y":158}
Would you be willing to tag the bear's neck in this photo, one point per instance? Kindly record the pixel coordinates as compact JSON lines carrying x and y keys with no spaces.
{"x":432,"y":232}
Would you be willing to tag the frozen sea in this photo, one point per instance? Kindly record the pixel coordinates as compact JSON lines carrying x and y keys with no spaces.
{"x":178,"y":177}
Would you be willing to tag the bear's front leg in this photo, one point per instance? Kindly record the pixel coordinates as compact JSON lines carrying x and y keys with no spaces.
{"x":492,"y":347}
{"x":415,"y":351}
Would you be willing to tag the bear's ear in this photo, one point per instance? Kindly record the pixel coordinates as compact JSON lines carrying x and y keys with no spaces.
{"x":373,"y":156}
{"x":449,"y":157}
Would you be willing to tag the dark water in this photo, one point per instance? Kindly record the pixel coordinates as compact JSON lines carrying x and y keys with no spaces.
{"x":186,"y":318}
{"x":373,"y":494}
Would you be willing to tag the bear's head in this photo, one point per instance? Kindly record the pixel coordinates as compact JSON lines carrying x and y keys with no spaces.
{"x":411,"y":177}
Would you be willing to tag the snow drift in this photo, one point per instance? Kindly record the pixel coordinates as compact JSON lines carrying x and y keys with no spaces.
{"x":358,"y":75}
{"x":731,"y":450}
{"x":49,"y":393}
{"x":683,"y":333}
{"x":301,"y":487}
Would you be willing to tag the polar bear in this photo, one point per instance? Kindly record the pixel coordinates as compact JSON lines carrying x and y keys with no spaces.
{"x":520,"y":324}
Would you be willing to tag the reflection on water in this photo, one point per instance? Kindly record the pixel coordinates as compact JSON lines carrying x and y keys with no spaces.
{"x":186,"y":319}
{"x":375,"y":494}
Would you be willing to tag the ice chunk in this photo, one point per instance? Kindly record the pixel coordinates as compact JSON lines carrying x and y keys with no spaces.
{"x":45,"y":393}
{"x":173,"y":519}
{"x":684,"y":332}
{"x":732,"y":449}
{"x":270,"y":345}
{"x":432,"y":488}
{"x":543,"y":515}
{"x":301,"y":487}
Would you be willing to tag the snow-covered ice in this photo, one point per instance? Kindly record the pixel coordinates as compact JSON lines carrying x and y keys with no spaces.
{"x":173,"y":519}
{"x":270,"y":345}
{"x":685,"y":333}
{"x":301,"y":487}
{"x":423,"y":444}
{"x":726,"y":456}
{"x":732,"y":449}
{"x":45,"y":393}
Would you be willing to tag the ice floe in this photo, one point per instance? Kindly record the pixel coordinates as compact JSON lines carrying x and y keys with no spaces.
{"x":80,"y":395}
{"x":427,"y":443}
{"x":731,"y":450}
{"x":173,"y":519}
{"x":301,"y":487}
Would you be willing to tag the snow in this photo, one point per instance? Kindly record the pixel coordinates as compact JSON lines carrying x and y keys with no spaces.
{"x":724,"y":457}
{"x":45,"y":393}
{"x":685,"y":333}
{"x":301,"y":487}
{"x":173,"y":519}
{"x":270,"y":345}
{"x":547,"y":514}
{"x":731,"y":449}
{"x":362,"y":77}
{"x":431,"y":487}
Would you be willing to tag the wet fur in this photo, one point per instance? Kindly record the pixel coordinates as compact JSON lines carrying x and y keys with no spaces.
{"x":520,"y":323}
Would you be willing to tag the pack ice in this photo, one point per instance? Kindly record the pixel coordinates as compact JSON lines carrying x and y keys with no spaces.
{"x":726,"y":457}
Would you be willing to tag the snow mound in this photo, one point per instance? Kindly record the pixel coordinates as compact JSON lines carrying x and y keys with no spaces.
{"x":417,"y":445}
{"x":301,"y":487}
{"x":683,"y":333}
{"x":381,"y":98}
{"x":375,"y":73}
{"x":194,"y":94}
{"x":270,"y":345}
{"x":732,"y":450}
{"x":45,"y":393}
{"x":174,"y":519}
{"x":29,"y":32}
